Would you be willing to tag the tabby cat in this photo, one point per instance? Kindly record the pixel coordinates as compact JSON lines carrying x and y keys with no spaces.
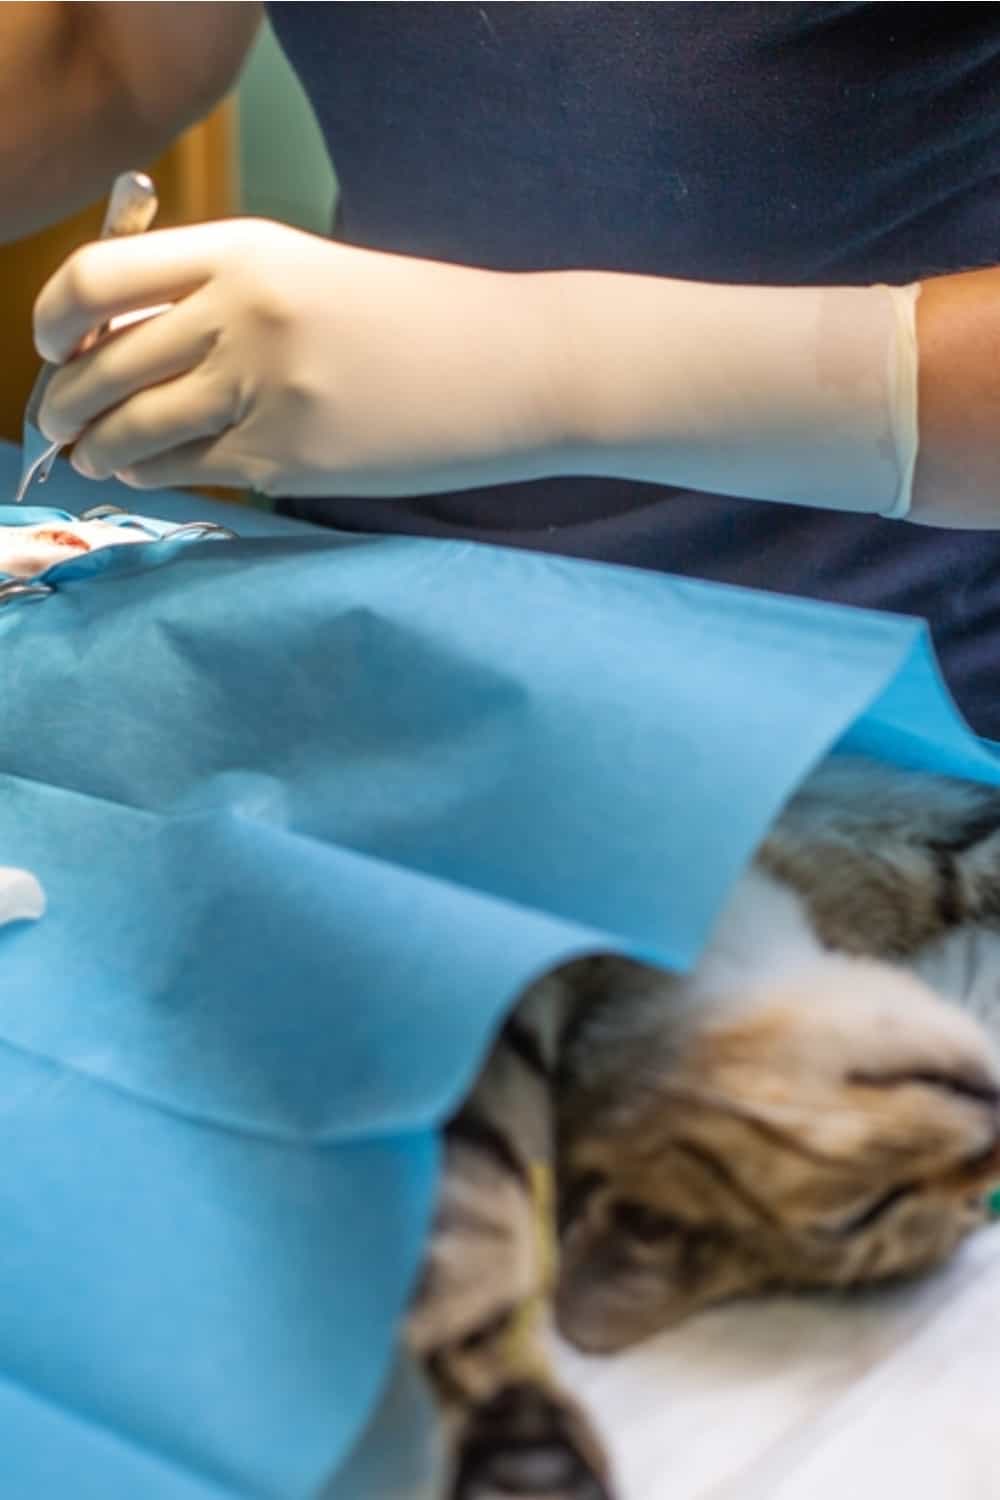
{"x":804,"y":1110}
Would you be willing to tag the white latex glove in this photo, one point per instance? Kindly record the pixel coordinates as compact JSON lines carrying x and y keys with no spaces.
{"x":296,"y":365}
{"x":300,"y":366}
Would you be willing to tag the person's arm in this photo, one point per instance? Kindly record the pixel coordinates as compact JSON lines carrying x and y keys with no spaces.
{"x":957,"y":478}
{"x":304,"y":367}
{"x":87,"y":90}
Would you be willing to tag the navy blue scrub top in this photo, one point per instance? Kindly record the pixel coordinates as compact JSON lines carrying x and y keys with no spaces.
{"x":771,"y":143}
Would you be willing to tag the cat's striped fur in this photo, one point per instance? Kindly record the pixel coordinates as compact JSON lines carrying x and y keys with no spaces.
{"x":801,"y":1111}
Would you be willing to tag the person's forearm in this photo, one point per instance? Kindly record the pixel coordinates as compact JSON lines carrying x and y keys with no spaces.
{"x":87,"y":90}
{"x":957,"y":478}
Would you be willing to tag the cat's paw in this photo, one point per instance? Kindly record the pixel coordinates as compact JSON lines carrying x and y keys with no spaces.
{"x":528,"y":1444}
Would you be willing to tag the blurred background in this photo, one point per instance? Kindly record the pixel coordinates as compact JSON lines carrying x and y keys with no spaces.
{"x":282,"y":165}
{"x":261,"y":153}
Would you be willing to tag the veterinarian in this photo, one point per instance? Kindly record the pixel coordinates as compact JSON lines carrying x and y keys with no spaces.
{"x":651,"y":268}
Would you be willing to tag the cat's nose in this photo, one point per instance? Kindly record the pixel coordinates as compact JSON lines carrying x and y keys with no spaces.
{"x":980,"y":1171}
{"x":987,"y":1163}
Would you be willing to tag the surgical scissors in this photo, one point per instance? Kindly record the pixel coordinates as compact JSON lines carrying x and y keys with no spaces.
{"x":131,"y":209}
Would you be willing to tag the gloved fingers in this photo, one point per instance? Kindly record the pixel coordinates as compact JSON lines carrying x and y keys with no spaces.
{"x":204,"y":461}
{"x":156,"y":421}
{"x":124,"y":363}
{"x":108,"y":277}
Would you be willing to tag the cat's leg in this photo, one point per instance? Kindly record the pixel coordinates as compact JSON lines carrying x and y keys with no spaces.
{"x":478,"y":1321}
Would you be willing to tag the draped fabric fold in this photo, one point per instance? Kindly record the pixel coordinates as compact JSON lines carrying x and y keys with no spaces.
{"x":309,"y":812}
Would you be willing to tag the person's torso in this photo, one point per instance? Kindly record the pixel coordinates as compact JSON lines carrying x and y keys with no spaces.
{"x":774,"y":143}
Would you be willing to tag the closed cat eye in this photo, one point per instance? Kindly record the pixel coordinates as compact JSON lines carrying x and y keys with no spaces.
{"x":976,"y":1089}
{"x":643,"y":1223}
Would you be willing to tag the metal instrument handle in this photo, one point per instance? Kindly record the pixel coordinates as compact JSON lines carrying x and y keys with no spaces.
{"x":131,"y":209}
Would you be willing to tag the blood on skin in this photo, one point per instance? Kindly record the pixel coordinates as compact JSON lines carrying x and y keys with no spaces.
{"x":60,"y":538}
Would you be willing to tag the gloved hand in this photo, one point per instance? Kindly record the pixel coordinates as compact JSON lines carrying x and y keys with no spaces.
{"x":298,"y":366}
{"x":304,"y":367}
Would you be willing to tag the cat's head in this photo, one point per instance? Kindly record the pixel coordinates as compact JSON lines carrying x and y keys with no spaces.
{"x":837,"y":1129}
